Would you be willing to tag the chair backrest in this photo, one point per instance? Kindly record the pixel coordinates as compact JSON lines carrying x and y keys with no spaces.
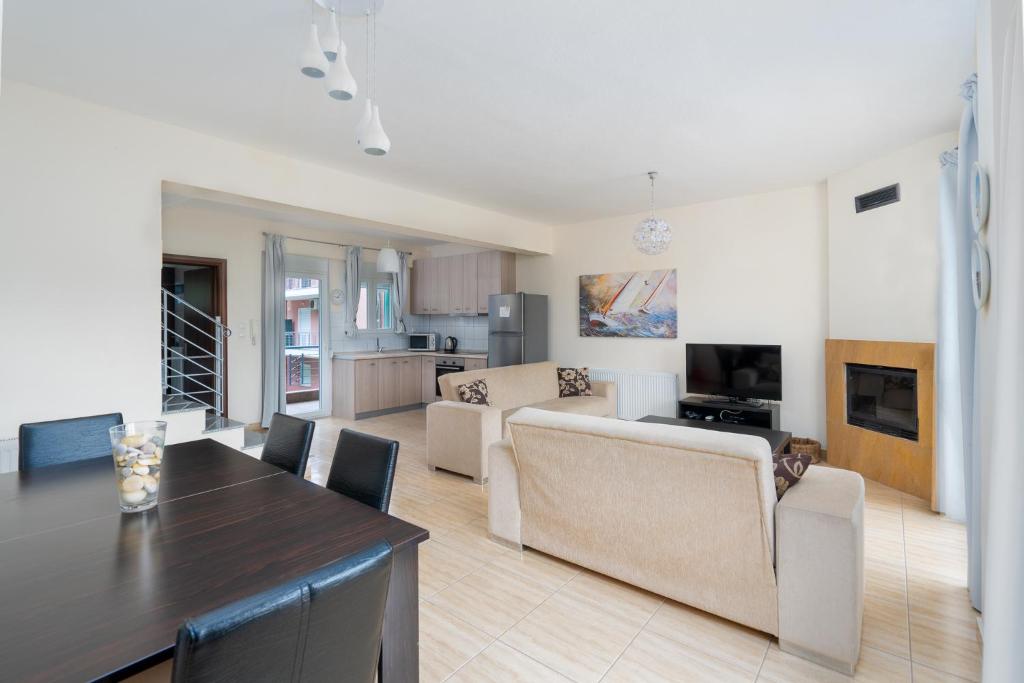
{"x":323,"y":626}
{"x":364,"y":468}
{"x":511,"y":386}
{"x":287,"y":444}
{"x":41,"y":444}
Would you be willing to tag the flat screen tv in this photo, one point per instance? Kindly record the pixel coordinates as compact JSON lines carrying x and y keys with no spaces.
{"x":738,"y":371}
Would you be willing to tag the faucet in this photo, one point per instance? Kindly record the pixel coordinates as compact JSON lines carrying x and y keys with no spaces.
{"x":380,"y":348}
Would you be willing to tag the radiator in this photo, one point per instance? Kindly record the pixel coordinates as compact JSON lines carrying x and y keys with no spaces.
{"x":641,"y":392}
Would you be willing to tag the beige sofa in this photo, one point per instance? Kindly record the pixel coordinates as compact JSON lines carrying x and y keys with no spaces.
{"x":458,"y":434}
{"x":690,"y":514}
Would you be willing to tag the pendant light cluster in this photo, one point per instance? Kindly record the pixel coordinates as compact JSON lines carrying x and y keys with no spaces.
{"x":326,"y":58}
{"x":653,"y":235}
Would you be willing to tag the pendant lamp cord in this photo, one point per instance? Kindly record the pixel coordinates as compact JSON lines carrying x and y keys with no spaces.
{"x":651,"y":175}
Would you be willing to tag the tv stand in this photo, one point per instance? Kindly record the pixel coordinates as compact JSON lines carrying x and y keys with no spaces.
{"x":737,"y":412}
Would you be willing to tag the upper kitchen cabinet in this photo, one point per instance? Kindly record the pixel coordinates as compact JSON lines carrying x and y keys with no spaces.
{"x":460,"y":285}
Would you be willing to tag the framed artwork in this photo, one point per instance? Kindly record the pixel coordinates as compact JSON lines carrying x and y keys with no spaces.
{"x":640,"y":303}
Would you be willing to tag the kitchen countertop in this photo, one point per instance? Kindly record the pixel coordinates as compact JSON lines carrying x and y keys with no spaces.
{"x":369,"y":355}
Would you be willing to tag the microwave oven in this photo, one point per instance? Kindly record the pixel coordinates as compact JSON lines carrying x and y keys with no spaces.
{"x":422,"y":341}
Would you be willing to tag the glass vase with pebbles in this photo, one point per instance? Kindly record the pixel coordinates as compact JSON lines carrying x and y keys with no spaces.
{"x":138,"y":449}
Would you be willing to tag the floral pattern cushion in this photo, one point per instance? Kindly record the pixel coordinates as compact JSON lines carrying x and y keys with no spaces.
{"x":789,"y":467}
{"x":574,"y":382}
{"x":474,"y":392}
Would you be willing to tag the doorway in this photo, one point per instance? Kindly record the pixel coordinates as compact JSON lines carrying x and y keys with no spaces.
{"x":199,"y":288}
{"x":305,"y":337}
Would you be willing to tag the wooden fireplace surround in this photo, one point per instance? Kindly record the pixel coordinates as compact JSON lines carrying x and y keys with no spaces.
{"x":900,"y":463}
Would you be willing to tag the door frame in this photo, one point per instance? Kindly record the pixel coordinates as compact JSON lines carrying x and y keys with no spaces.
{"x":220,"y":298}
{"x":317,"y":268}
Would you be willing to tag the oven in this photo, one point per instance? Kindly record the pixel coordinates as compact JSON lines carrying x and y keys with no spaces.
{"x":444,"y":366}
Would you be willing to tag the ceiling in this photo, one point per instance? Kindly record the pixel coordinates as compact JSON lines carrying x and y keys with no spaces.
{"x":549,"y":110}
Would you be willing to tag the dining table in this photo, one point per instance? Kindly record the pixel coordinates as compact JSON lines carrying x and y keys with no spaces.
{"x":90,"y":593}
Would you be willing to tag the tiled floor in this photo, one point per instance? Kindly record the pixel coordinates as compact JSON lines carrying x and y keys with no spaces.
{"x":488,"y":613}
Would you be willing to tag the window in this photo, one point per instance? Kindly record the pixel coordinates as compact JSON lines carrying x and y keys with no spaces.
{"x":375,"y":312}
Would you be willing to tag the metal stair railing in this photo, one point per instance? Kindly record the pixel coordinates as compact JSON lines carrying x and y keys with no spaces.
{"x":173,"y":368}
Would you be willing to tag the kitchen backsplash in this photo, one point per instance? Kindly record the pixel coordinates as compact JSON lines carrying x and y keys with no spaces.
{"x":471,"y":331}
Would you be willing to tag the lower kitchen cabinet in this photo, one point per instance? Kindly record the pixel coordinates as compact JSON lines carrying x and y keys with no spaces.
{"x":476,"y":363}
{"x":369,"y":385}
{"x":428,"y":381}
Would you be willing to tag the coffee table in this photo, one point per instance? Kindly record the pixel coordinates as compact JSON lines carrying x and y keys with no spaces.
{"x":777,"y":440}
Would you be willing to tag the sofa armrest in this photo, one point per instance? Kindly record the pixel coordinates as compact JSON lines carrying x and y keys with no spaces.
{"x":819,"y":537}
{"x":458,"y":435}
{"x":504,"y":517}
{"x":609,"y":391}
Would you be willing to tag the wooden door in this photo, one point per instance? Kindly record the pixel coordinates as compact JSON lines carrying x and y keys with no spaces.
{"x":488,"y":278}
{"x":428,"y":380}
{"x":454,"y":284}
{"x":475,"y":364}
{"x":367,"y":386}
{"x":469,"y":285}
{"x":390,"y":379}
{"x":419,"y":301}
{"x":439,"y":285}
{"x":410,"y":384}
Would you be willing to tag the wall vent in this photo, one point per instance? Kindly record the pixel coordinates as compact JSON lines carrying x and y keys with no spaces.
{"x":877,"y":198}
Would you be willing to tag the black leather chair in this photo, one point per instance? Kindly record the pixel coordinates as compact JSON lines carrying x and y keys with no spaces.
{"x":364,"y":468}
{"x":41,"y":444}
{"x":325,"y":626}
{"x":287,"y":444}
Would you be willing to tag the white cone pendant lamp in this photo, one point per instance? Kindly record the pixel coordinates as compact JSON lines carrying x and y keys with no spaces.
{"x":312,"y":61}
{"x":332,"y":39}
{"x":340,"y":83}
{"x":375,"y":140}
{"x":364,"y":121}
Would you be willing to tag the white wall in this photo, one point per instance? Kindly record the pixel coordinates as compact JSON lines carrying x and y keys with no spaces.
{"x":884,"y":263}
{"x":80,"y":257}
{"x":750,"y":270}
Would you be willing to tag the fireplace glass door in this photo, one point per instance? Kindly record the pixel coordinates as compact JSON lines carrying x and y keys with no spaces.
{"x":882,"y":399}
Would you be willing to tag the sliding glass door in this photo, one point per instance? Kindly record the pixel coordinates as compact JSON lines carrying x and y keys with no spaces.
{"x":306,"y":337}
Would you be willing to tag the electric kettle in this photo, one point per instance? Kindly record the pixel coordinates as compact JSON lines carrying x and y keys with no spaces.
{"x":450,"y":344}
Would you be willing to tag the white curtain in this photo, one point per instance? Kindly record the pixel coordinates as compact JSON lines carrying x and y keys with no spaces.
{"x":352,"y":257}
{"x":957,"y":320}
{"x":1002,"y":387}
{"x":400,"y":291}
{"x":273,"y":328}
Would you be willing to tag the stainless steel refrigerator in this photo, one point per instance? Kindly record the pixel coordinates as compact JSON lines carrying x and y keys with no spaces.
{"x":517,"y":329}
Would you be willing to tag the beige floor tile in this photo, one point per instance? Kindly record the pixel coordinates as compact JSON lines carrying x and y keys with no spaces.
{"x":654,"y":659}
{"x":572,"y":636}
{"x":926,"y":674}
{"x":441,"y":566}
{"x":491,"y":599}
{"x":949,"y":645}
{"x":630,"y":604}
{"x":499,"y":663}
{"x":874,"y":667}
{"x":548,"y":571}
{"x":470,"y":540}
{"x":446,"y":643}
{"x":742,"y":647}
{"x":886,"y":622}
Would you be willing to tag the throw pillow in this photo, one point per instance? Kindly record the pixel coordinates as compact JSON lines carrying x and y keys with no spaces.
{"x":574,"y":382}
{"x":474,"y":392}
{"x":789,"y":467}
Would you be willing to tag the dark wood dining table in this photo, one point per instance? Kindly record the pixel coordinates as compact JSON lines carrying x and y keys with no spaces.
{"x":89,"y":593}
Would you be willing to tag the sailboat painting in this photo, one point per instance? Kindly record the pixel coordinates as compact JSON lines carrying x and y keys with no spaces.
{"x":641,"y":303}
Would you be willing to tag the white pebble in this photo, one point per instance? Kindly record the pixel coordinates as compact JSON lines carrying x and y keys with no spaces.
{"x":132,"y":483}
{"x":150,"y":484}
{"x":148,"y":447}
{"x":133,"y":496}
{"x":140,"y":469}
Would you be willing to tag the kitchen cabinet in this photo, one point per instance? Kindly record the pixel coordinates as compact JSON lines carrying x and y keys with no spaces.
{"x":476,"y":364}
{"x":366,"y":388}
{"x":461,"y":285}
{"x":428,"y":380}
{"x":390,"y":383}
{"x":410,"y":388}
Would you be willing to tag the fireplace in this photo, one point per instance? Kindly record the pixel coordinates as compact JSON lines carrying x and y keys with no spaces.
{"x":882,"y":399}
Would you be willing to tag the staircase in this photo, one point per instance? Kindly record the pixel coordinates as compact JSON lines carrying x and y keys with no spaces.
{"x":192,"y":373}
